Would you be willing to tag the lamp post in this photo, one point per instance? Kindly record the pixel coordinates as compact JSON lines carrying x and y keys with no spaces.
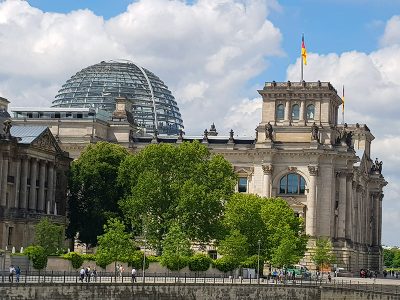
{"x":144,"y":250}
{"x":92,"y":113}
{"x":258,"y":261}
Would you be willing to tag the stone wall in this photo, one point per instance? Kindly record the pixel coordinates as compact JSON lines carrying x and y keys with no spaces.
{"x":184,"y":292}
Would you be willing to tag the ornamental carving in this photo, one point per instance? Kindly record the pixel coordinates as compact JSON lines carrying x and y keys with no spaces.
{"x":268,"y":169}
{"x":313,"y":170}
{"x":292,"y":169}
{"x":45,"y":142}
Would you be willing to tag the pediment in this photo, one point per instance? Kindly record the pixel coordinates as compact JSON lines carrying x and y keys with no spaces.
{"x":46,"y":141}
{"x":244,"y":170}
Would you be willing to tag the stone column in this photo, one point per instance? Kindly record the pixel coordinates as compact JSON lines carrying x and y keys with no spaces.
{"x":4,"y":174}
{"x":302,"y":116}
{"x":42,"y":178}
{"x":53,"y":202}
{"x":359,"y":212}
{"x":24,"y":179}
{"x":342,"y":204}
{"x":267,"y":168}
{"x":312,"y":201}
{"x":349,"y":205}
{"x":32,"y":192}
{"x":50,"y":189}
{"x":380,"y":220}
{"x":17,"y":181}
{"x":376,"y":198}
{"x":286,"y":119}
{"x":1,"y":171}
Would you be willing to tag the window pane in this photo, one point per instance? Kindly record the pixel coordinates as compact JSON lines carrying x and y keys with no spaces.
{"x":242,"y":186}
{"x":283,"y":183}
{"x":293,"y":184}
{"x":280,"y":112}
{"x":310,"y":112}
{"x":295,"y":112}
{"x":302,"y":185}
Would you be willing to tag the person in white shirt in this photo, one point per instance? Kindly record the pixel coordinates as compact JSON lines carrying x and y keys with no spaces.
{"x":133,"y":275}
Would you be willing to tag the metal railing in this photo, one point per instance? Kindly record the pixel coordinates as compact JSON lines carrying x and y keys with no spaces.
{"x":54,"y":277}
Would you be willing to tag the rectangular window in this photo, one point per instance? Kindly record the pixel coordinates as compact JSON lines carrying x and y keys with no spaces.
{"x":242,"y":185}
{"x":10,"y":235}
{"x":212,"y":254}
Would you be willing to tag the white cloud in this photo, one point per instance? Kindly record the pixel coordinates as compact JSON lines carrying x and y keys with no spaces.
{"x":391,"y":35}
{"x":205,"y":52}
{"x":372,"y":90}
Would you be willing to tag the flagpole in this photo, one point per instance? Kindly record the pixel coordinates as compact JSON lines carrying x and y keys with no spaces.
{"x":343,"y":105}
{"x":302,"y":58}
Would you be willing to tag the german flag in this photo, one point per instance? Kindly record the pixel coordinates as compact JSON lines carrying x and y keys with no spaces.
{"x":303,"y":51}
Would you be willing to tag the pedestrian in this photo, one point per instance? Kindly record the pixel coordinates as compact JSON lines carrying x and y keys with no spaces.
{"x":94,"y":274}
{"x":88,"y":273}
{"x":17,"y":273}
{"x":11,"y":274}
{"x":121,"y":270}
{"x":329,"y":277}
{"x":133,"y":274}
{"x":82,"y":274}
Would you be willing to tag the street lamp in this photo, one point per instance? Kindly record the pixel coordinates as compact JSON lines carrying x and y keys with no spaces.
{"x":258,"y":261}
{"x":92,"y":113}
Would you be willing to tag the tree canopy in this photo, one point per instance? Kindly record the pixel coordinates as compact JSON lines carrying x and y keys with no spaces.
{"x":270,"y":222}
{"x":49,"y":236}
{"x":94,"y":192}
{"x":115,"y":244}
{"x":323,"y":255}
{"x":164,"y":184}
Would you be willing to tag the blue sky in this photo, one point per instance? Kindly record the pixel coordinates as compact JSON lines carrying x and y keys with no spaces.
{"x":215,"y":54}
{"x":329,"y":25}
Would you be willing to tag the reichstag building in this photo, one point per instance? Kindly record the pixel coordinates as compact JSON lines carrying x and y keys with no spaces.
{"x":300,"y":153}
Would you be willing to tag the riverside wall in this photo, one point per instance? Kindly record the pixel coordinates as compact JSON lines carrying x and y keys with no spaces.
{"x":184,"y":292}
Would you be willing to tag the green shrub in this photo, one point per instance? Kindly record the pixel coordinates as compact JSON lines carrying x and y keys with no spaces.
{"x":152,"y":258}
{"x":252,"y":262}
{"x":91,"y":257}
{"x":103,"y":260}
{"x":174,"y":262}
{"x":37,"y":255}
{"x":136,"y":260}
{"x":75,"y":258}
{"x":226,"y":263}
{"x":199,"y":262}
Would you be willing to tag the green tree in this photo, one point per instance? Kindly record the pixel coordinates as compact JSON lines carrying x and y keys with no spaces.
{"x":388,"y":257}
{"x":94,"y":192}
{"x":49,"y":235}
{"x":234,"y":245}
{"x":176,"y":249}
{"x":165,"y":183}
{"x":199,"y":262}
{"x":115,"y":244}
{"x":323,"y":255}
{"x":287,"y":253}
{"x":242,"y":213}
{"x":282,"y":225}
{"x":396,"y":258}
{"x":37,"y":255}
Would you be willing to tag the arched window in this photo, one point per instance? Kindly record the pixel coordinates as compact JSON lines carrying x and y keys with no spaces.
{"x":295,"y":112}
{"x":310,"y":112}
{"x":280,"y":112}
{"x":292,"y":184}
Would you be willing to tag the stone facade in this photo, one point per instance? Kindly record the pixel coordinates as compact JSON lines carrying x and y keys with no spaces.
{"x":322,"y":169}
{"x":33,"y":181}
{"x":301,"y":153}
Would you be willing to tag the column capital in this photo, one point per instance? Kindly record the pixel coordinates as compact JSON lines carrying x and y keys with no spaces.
{"x":268,"y":169}
{"x":313,"y":169}
{"x":342,"y":173}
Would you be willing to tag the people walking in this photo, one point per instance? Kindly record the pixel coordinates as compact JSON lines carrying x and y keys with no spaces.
{"x":11,"y":274}
{"x":82,"y":274}
{"x":94,"y":274}
{"x":17,"y":273}
{"x":133,"y":274}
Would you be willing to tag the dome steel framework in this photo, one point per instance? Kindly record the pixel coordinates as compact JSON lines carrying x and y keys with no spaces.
{"x":97,"y":86}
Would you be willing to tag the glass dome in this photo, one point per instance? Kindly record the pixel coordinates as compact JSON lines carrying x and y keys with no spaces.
{"x":97,"y":86}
